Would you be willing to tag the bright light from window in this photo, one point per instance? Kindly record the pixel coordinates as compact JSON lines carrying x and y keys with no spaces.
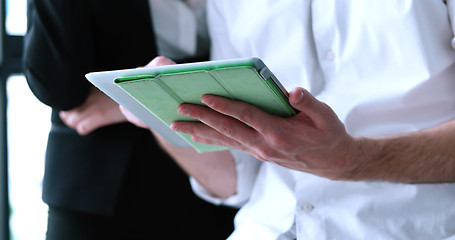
{"x":16,"y":17}
{"x":28,"y":127}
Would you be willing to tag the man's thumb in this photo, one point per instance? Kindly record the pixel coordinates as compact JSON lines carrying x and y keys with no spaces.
{"x":300,"y":99}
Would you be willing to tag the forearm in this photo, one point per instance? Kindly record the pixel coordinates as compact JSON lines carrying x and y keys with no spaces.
{"x":426,"y":156}
{"x":213,"y":170}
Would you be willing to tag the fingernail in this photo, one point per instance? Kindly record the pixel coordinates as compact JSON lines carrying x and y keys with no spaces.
{"x":299,"y":95}
{"x":207,"y":100}
{"x":183,"y":111}
{"x":173,"y":127}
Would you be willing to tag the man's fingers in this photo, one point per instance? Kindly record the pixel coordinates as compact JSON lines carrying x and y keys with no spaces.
{"x":225,"y":125}
{"x":244,"y":112}
{"x":204,"y":134}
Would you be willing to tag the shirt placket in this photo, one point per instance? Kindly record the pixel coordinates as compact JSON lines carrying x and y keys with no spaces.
{"x":324,"y":26}
{"x":308,"y":219}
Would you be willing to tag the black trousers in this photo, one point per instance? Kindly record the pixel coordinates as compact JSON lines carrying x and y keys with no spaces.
{"x":68,"y":225}
{"x":156,"y":203}
{"x":212,"y":222}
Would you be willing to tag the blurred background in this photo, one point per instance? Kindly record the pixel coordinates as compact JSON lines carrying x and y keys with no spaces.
{"x":24,"y":215}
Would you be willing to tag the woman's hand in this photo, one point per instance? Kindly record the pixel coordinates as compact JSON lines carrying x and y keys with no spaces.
{"x":97,"y":111}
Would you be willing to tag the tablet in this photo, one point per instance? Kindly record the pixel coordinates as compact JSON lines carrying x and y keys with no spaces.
{"x":154,"y":93}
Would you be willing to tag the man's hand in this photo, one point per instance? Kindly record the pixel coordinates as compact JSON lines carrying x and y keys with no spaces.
{"x":97,"y":111}
{"x":313,"y":141}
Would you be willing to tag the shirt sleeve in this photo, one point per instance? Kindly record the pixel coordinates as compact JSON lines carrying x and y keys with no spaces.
{"x":247,"y":168}
{"x":451,"y":12}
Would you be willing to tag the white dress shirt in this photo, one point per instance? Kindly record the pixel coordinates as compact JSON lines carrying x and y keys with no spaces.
{"x":385,"y":67}
{"x":180,"y":28}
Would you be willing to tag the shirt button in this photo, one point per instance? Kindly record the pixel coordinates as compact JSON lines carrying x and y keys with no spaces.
{"x":330,"y":55}
{"x":307,"y":207}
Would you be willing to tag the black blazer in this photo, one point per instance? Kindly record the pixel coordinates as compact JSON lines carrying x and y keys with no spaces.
{"x":95,"y":173}
{"x":65,"y":40}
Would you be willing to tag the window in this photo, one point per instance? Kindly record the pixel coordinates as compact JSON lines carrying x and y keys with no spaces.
{"x":16,"y":17}
{"x":28,"y":125}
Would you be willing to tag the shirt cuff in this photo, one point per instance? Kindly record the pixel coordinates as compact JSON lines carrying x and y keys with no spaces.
{"x":247,"y":168}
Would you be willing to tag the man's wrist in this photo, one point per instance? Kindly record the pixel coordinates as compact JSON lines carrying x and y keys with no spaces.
{"x":365,"y":163}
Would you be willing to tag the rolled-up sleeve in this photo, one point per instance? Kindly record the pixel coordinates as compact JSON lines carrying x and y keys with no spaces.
{"x":247,"y":168}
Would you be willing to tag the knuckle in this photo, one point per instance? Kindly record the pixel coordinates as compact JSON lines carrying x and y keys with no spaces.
{"x":282,"y":142}
{"x":218,"y":104}
{"x":267,"y":153}
{"x":277,"y":140}
{"x":71,"y":122}
{"x":225,"y":129}
{"x":82,"y":130}
{"x":247,"y":149}
{"x":246,"y":116}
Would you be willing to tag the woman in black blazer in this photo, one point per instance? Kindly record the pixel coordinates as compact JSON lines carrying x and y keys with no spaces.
{"x":115,"y":182}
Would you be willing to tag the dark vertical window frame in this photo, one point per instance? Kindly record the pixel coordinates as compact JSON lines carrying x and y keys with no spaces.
{"x":4,"y":199}
{"x":4,"y":196}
